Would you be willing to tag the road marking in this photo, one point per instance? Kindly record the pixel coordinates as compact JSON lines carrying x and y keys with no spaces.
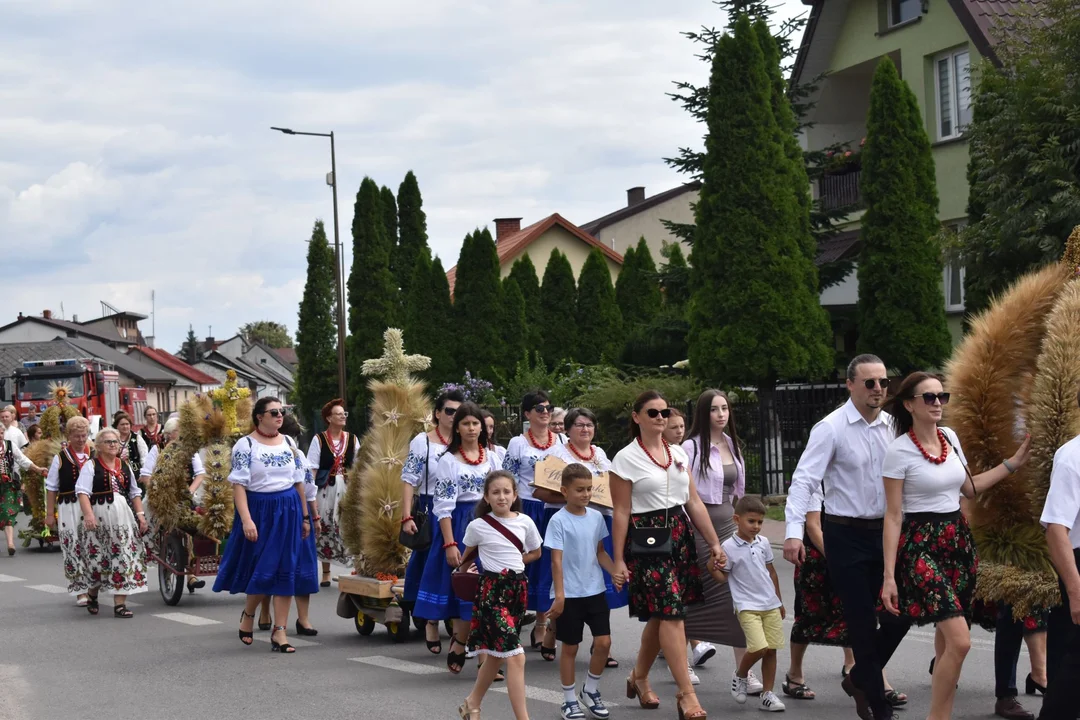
{"x":295,"y":642}
{"x":11,"y":578}
{"x":54,"y":589}
{"x":186,"y":619}
{"x":391,"y":663}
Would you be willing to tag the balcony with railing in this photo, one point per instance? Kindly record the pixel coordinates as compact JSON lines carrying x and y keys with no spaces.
{"x":838,"y":189}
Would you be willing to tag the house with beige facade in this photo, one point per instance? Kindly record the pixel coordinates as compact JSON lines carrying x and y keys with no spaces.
{"x":643,"y":217}
{"x":538,"y":240}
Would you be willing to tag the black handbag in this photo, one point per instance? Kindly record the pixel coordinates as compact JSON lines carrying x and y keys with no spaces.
{"x":421,"y":539}
{"x":652,"y":541}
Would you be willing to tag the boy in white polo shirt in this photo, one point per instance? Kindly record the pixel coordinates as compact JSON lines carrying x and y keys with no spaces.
{"x":755,"y":592}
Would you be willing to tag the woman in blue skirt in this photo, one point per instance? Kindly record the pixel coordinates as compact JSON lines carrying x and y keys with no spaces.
{"x":459,"y":484}
{"x":268,"y":551}
{"x":417,"y":486}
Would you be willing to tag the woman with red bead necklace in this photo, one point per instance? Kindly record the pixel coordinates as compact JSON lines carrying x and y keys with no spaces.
{"x":651,"y":487}
{"x":331,"y":455}
{"x":116,"y":560}
{"x":522,"y":454}
{"x":458,"y":485}
{"x":929,"y":552}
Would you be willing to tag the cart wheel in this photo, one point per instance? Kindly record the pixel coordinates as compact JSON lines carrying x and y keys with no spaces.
{"x":364,"y":624}
{"x":171,"y":584}
{"x":419,"y":623}
{"x":400,"y":631}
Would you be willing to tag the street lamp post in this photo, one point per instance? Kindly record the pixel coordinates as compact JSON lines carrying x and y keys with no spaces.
{"x":339,"y":272}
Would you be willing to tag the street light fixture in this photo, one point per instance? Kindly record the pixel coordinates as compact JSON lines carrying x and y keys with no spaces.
{"x":339,"y":270}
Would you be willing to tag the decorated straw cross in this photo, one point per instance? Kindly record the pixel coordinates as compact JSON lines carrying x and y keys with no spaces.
{"x":395,"y":366}
{"x":228,"y":396}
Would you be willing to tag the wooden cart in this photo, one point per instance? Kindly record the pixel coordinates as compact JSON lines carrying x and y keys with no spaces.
{"x":370,"y":602}
{"x":179,"y":554}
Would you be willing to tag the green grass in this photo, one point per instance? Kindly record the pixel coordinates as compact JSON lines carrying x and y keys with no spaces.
{"x":775,"y":512}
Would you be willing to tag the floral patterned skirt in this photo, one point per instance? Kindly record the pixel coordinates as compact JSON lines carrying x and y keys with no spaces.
{"x":663,"y":586}
{"x":819,"y":614}
{"x":497,"y":614}
{"x":10,"y":502}
{"x":72,"y":534}
{"x":984,"y":614}
{"x":935,"y":567}
{"x":114,"y":552}
{"x":328,"y":544}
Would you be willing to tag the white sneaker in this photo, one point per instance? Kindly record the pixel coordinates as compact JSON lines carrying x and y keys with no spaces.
{"x":702,"y":653}
{"x":753,"y":685}
{"x":738,"y":688}
{"x":694,"y":679}
{"x":771,"y":703}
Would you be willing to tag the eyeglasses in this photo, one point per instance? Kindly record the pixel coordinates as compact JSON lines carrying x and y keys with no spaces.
{"x":883,"y":382}
{"x":653,"y":412}
{"x":342,"y":414}
{"x":580,"y":426}
{"x":275,"y":413}
{"x":941,"y":397}
{"x":542,"y":409}
{"x":110,"y":442}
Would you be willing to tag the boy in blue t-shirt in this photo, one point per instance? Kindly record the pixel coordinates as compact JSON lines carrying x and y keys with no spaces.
{"x":575,"y":537}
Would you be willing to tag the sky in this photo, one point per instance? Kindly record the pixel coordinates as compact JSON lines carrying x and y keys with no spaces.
{"x":136,"y":153}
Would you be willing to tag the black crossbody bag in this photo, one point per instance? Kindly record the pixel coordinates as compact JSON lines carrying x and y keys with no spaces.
{"x":421,"y":539}
{"x":654,"y":542}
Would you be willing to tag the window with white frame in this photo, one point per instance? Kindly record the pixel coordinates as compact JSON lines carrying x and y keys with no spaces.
{"x":954,"y":279}
{"x":952,"y":72}
{"x":901,"y":11}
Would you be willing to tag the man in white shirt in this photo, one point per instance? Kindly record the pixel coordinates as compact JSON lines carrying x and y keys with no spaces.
{"x":1061,"y":518}
{"x":844,"y":454}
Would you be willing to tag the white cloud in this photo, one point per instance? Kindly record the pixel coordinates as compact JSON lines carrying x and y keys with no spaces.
{"x":137,"y":153}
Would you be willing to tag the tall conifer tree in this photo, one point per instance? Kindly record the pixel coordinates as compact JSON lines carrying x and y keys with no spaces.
{"x":444,"y":362}
{"x":753,"y":316}
{"x":599,"y":322}
{"x":558,"y":305}
{"x":477,"y":290}
{"x":524,"y":272}
{"x":316,"y":330}
{"x":513,"y":325}
{"x":901,"y":311}
{"x":419,"y":330}
{"x":638,"y":293}
{"x":390,"y":218}
{"x":412,"y":231}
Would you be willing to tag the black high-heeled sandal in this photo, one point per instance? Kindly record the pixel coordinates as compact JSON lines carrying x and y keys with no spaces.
{"x":533,"y":644}
{"x":263,"y":625}
{"x":1031,"y":687}
{"x":433,"y":646}
{"x":545,"y":652}
{"x":246,"y":636}
{"x":283,"y":648}
{"x":92,"y":606}
{"x":301,"y":630}
{"x":121,"y":611}
{"x":455,"y":659}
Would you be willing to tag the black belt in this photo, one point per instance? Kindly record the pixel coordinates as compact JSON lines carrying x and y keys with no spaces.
{"x":508,"y":573}
{"x":857,"y":523}
{"x":932,"y":516}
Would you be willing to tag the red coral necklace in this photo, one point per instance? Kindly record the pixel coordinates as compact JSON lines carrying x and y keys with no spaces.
{"x":538,"y":446}
{"x":479,"y":458}
{"x":928,"y":456}
{"x":667,"y":449}
{"x":438,"y":434}
{"x":582,"y":458}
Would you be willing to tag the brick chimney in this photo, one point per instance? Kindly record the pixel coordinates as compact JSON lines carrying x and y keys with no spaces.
{"x":209,"y":344}
{"x":505,"y":227}
{"x":635,"y":195}
{"x":47,"y":314}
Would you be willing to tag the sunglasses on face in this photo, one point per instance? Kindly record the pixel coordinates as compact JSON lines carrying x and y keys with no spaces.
{"x":869,"y":384}
{"x":941,"y":397}
{"x":542,"y":409}
{"x":275,"y":413}
{"x":449,"y":411}
{"x":653,"y":413}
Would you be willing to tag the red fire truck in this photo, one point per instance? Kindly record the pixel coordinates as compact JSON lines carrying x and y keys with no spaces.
{"x":93,"y":387}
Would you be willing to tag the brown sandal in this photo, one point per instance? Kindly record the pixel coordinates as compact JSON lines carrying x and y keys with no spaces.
{"x":468,"y":713}
{"x":633,"y":691}
{"x":697,"y":713}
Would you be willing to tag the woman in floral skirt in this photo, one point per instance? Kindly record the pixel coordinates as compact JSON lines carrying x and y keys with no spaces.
{"x":651,"y":487}
{"x":331,"y":456}
{"x":929,"y":552}
{"x":10,"y":504}
{"x":62,"y":511}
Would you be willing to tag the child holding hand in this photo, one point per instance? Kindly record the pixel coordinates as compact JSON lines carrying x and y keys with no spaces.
{"x":755,"y":592}
{"x":575,"y":537}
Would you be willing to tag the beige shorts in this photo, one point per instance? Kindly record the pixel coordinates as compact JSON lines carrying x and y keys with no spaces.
{"x":763,"y":629}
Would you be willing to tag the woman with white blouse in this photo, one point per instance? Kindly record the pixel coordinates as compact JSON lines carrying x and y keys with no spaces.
{"x":417,"y":490}
{"x":62,"y":511}
{"x":115,"y":557}
{"x":268,"y":552}
{"x":10,"y":503}
{"x":929,"y":552}
{"x":522,"y":454}
{"x":331,"y":455}
{"x":651,"y":487}
{"x":459,"y":485}
{"x":133,"y":449}
{"x":151,"y":432}
{"x":493,"y":438}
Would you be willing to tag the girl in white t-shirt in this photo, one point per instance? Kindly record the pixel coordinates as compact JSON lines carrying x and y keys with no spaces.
{"x":929,"y":553}
{"x":501,"y":598}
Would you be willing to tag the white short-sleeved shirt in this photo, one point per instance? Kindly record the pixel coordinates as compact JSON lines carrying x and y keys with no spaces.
{"x":927,"y":487}
{"x":577,"y":536}
{"x":16,"y":436}
{"x":600,"y":464}
{"x":266,"y":468}
{"x":496,"y":552}
{"x":52,"y":479}
{"x":748,"y":573}
{"x":500,"y":452}
{"x":1063,"y":500}
{"x":420,"y":463}
{"x":455,"y":481}
{"x":197,"y":466}
{"x":654,"y":488}
{"x":85,"y":484}
{"x":521,"y":458}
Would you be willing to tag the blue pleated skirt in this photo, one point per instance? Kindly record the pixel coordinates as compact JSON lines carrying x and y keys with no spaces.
{"x":615,"y":599}
{"x":279,"y":562}
{"x":535,"y":510}
{"x":435,"y":599}
{"x":414,"y":571}
{"x":540,"y":589}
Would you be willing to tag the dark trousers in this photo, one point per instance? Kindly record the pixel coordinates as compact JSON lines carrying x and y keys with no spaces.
{"x":856,"y":566}
{"x":1062,"y":701}
{"x":1008,"y":637}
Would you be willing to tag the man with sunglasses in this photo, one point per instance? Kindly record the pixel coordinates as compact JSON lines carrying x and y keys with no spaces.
{"x":844,"y":454}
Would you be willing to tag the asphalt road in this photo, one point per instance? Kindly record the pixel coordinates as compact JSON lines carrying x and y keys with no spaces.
{"x":187,"y":663}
